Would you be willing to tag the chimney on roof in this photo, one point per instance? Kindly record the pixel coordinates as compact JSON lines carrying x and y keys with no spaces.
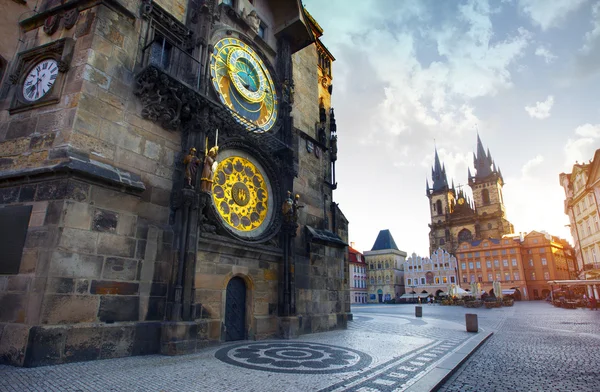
{"x":352,"y":245}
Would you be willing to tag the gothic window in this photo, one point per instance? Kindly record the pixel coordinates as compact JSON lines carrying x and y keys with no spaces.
{"x":379,"y":265}
{"x":379,"y":279}
{"x":485,"y":196}
{"x":438,"y":205}
{"x":387,"y":264}
{"x":372,"y":281}
{"x":465,"y":236}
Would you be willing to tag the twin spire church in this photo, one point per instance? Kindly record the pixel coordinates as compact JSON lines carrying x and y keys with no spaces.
{"x":455,"y":217}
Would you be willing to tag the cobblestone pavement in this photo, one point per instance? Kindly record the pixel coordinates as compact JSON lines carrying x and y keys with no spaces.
{"x":535,"y":347}
{"x":538,"y":348}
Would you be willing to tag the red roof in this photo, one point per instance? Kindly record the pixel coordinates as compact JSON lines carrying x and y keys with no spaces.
{"x":352,"y":253}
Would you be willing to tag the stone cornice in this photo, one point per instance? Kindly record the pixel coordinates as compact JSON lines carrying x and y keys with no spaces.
{"x":38,"y":19}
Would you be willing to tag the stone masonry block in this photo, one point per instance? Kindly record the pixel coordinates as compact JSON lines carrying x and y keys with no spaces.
{"x":114,"y":245}
{"x":74,"y":265}
{"x":118,"y":308}
{"x":75,"y":240}
{"x":77,"y":215}
{"x":13,"y":343}
{"x":105,"y":221}
{"x":68,"y":309}
{"x":113,"y":200}
{"x":121,"y":269}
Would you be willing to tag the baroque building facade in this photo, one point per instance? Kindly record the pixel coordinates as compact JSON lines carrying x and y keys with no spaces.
{"x":167,"y":174}
{"x":357,"y":276}
{"x":522,"y":263}
{"x":455,"y":218}
{"x":582,"y":192}
{"x":385,"y":269}
{"x":430,"y":275}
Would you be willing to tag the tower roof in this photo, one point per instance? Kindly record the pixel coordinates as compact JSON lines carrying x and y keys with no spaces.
{"x":438,"y":175}
{"x":483,"y":162}
{"x":384,"y":241}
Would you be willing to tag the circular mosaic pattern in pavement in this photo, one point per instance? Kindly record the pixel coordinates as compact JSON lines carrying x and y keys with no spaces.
{"x":294,"y":357}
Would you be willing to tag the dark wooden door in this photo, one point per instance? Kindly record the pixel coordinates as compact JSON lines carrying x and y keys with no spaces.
{"x":235,"y":310}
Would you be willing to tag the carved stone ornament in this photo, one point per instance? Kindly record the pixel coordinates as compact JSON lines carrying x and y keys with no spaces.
{"x":165,"y":100}
{"x":149,"y":10}
{"x":309,"y":146}
{"x":70,"y":18}
{"x":51,"y":24}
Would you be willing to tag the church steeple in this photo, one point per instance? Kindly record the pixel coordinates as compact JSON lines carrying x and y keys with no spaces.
{"x":483,"y":162}
{"x":438,"y":175}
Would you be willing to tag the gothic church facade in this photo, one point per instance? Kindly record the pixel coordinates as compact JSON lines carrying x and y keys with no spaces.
{"x":455,"y":217}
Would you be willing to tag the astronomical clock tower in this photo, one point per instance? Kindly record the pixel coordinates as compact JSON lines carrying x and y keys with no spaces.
{"x":455,"y":217}
{"x":167,"y":178}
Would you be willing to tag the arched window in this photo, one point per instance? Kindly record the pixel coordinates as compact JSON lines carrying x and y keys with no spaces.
{"x":465,"y":236}
{"x":379,"y":265}
{"x":387,"y":279}
{"x":387,"y":264}
{"x":438,"y":207}
{"x":485,"y":196}
{"x":372,"y":280}
{"x":379,"y":279}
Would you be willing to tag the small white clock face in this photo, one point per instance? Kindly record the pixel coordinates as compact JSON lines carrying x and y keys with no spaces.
{"x":40,"y":80}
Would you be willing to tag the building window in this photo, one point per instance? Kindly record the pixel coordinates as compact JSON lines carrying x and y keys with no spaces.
{"x":438,"y":207}
{"x":472,"y":278}
{"x":477,"y":254}
{"x":546,"y":275}
{"x":471,"y":265}
{"x":514,"y":262}
{"x":464,"y":279}
{"x":513,"y":251}
{"x":485,"y":196}
{"x":478,"y":264}
{"x":372,"y":281}
{"x":378,"y":265}
{"x":535,"y":240}
{"x":544,"y":262}
{"x":498,"y":276}
{"x":516,"y":274}
{"x":533,"y":276}
{"x":423,"y":281}
{"x":490,"y":277}
{"x":503,"y":251}
{"x":408,"y":282}
{"x":489,"y":264}
{"x":437,"y":280}
{"x":496,"y":263}
{"x":531,"y":262}
{"x":506,"y":276}
{"x":542,"y":250}
{"x":505,"y":263}
{"x":596,"y":223}
{"x":445,"y":280}
{"x":487,"y":253}
{"x":469,"y":254}
{"x":452,"y":279}
{"x":485,"y":244}
{"x":464,"y":266}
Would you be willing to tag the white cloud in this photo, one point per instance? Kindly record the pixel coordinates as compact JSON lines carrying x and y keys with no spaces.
{"x":541,"y":109}
{"x":549,"y":13}
{"x":531,"y":164}
{"x":545,"y":53}
{"x":592,"y":36}
{"x":581,"y":149}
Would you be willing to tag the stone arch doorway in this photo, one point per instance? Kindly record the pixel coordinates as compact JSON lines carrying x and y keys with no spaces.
{"x":380,"y":295}
{"x":517,"y":295}
{"x":235,"y":310}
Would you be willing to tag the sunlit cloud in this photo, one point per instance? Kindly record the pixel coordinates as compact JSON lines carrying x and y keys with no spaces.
{"x":541,"y":109}
{"x":549,"y":13}
{"x":545,"y":53}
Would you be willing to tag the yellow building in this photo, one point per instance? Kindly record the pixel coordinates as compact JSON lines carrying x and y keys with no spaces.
{"x":385,"y":269}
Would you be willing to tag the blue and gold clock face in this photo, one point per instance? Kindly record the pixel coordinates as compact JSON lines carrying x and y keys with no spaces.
{"x":243,"y":84}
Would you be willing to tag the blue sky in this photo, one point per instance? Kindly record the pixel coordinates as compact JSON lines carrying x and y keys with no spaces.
{"x":525,"y":73}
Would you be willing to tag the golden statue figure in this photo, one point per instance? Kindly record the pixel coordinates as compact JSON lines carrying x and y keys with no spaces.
{"x":210,"y":164}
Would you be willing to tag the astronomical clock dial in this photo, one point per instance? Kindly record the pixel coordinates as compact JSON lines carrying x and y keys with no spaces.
{"x":243,"y":84}
{"x":40,"y":80}
{"x":242,"y":194}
